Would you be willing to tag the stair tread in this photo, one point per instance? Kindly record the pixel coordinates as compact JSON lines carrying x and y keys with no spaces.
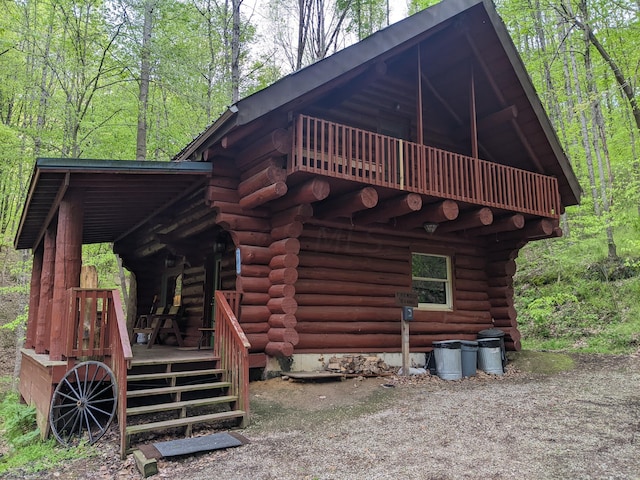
{"x":179,"y":388}
{"x":207,"y":356}
{"x":163,"y":407}
{"x":186,"y":373}
{"x":179,"y":422}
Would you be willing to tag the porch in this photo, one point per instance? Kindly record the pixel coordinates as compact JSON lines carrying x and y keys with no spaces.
{"x":146,"y":380}
{"x":330,"y":149}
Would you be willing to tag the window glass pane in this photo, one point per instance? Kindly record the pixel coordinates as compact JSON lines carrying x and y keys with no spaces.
{"x":430,"y":292}
{"x":428,"y":266}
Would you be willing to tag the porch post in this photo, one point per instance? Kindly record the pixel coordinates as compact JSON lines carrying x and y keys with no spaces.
{"x":43,"y":325}
{"x":68,"y":264}
{"x":34,"y":296}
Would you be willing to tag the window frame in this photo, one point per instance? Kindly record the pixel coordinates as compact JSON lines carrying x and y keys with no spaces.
{"x":448,"y":283}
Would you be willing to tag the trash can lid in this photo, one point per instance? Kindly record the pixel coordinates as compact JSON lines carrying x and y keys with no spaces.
{"x":491,"y":333}
{"x":488,"y":342}
{"x":471,"y":343}
{"x":455,"y":344}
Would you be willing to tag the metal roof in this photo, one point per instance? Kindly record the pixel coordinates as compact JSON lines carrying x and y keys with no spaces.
{"x":119,"y":195}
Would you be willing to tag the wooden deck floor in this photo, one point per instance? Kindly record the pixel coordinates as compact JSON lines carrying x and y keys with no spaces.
{"x":163,"y":354}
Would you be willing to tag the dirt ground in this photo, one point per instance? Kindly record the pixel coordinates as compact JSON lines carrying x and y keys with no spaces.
{"x":551,"y":416}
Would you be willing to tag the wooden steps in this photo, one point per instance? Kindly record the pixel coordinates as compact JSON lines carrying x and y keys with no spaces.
{"x":187,"y":421}
{"x":181,"y":392}
{"x":164,"y":407}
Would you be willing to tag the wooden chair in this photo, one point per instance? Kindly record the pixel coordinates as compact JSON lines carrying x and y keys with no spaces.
{"x":162,"y":320}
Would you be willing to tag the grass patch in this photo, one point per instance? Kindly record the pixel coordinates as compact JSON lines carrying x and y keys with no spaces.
{"x":25,"y":451}
{"x":541,"y":362}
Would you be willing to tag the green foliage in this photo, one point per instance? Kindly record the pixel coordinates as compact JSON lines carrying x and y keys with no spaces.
{"x":570,"y":296}
{"x":28,"y":453}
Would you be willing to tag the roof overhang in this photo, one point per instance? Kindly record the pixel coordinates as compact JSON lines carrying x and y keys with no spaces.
{"x":118,"y":196}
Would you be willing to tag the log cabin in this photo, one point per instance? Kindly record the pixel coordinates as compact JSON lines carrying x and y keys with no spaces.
{"x":419,"y":159}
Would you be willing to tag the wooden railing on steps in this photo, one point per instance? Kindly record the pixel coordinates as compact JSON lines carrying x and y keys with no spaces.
{"x":232,"y":347}
{"x":339,"y":151}
{"x":97,"y":329}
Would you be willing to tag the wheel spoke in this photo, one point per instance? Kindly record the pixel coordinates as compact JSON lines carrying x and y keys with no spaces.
{"x":72,"y":389}
{"x":98,"y":410}
{"x":105,"y":389}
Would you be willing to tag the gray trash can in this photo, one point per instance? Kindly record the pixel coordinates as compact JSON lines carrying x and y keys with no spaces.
{"x":448,"y":359}
{"x":499,"y":334}
{"x":490,"y":355}
{"x":469,"y":351}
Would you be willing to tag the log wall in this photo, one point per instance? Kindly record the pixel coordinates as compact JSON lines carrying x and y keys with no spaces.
{"x":347,"y":283}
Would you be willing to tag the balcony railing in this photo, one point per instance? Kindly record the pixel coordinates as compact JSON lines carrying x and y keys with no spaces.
{"x":340,"y":151}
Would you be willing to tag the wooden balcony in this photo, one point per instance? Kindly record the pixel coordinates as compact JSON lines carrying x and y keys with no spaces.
{"x":339,"y":151}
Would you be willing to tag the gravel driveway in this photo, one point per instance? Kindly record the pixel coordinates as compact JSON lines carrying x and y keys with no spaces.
{"x":536,"y":422}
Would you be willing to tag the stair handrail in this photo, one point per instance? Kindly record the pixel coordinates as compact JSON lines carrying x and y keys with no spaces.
{"x":232,"y":347}
{"x":120,"y":362}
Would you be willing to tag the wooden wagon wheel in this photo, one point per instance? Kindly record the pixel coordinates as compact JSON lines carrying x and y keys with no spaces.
{"x":83,"y":404}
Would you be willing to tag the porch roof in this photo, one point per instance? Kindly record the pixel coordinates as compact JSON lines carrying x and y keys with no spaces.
{"x":120,"y":195}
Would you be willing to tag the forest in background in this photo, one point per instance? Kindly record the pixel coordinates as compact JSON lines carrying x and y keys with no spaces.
{"x":139,"y":79}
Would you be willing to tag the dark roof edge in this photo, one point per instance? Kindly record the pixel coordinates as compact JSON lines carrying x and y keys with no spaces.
{"x":122,"y":166}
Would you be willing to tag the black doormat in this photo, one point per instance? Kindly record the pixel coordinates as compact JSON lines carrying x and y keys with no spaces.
{"x":187,"y":446}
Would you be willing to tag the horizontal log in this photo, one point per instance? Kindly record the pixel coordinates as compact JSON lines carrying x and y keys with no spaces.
{"x":477,"y":305}
{"x":299,"y":213}
{"x":312,"y":299}
{"x":349,"y":203}
{"x":253,"y":284}
{"x":255,"y":270}
{"x":283,"y":320}
{"x":385,"y":327}
{"x":462,"y":273}
{"x":369,"y":264}
{"x":250,"y":254}
{"x":464,"y":295}
{"x":504,"y":281}
{"x":282,"y":290}
{"x":470,"y":262}
{"x":468,"y":220}
{"x":224,"y":167}
{"x":285,"y":246}
{"x":279,"y":349}
{"x":224,"y":182}
{"x":272,"y":161}
{"x":254,"y":314}
{"x":193,"y":290}
{"x":534,"y":229}
{"x":292,"y":230}
{"x":264,"y":195}
{"x":277,"y":142}
{"x":284,"y":335}
{"x":504,"y":312}
{"x":311,"y":191}
{"x":282,"y":305}
{"x":503,"y":224}
{"x":444,"y":211}
{"x":230,"y":221}
{"x":343,"y":288}
{"x":222,"y":194}
{"x":390,"y":208}
{"x":502,"y":268}
{"x":479,"y":317}
{"x":251,"y":238}
{"x":253,"y":298}
{"x":249,"y":328}
{"x":236,"y":209}
{"x":501,"y":302}
{"x":471,"y":285}
{"x":399,"y":280}
{"x":346,"y":313}
{"x":258,"y":341}
{"x":268,"y":176}
{"x":287,"y":276}
{"x":290,"y":260}
{"x":351,"y":248}
{"x":500,"y":292}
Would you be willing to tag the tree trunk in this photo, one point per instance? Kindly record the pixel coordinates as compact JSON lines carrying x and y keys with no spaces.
{"x":145,"y":74}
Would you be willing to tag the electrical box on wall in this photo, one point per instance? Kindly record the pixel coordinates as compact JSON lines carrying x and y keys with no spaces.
{"x":407,"y":314}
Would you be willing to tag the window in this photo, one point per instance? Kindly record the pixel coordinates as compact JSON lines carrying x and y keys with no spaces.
{"x":431,"y":280}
